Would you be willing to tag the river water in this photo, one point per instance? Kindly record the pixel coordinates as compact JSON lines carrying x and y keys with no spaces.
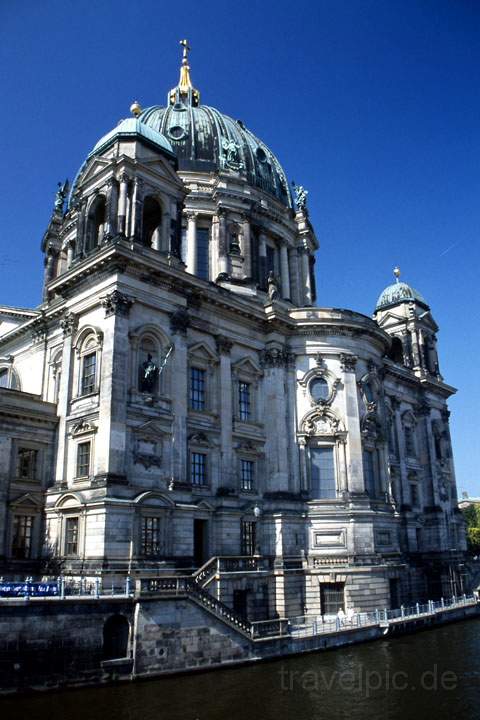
{"x":433,"y":674}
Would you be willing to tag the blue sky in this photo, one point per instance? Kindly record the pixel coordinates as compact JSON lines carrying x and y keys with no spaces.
{"x":373,"y":105}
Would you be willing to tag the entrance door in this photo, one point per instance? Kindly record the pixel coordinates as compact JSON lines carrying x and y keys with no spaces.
{"x":200,"y":542}
{"x":240,"y":602}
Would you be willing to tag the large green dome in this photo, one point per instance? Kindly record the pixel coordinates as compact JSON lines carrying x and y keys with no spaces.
{"x":206,"y":140}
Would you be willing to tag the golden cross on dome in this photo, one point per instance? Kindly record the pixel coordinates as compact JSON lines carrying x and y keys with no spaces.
{"x":186,"y":49}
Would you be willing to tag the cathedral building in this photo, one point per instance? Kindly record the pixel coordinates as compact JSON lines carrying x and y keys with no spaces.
{"x":179,"y":396}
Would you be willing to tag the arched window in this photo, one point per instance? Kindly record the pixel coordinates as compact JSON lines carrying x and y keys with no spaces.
{"x":115,"y":637}
{"x":88,"y":353}
{"x":95,"y":224}
{"x":9,"y":378}
{"x":396,"y":350}
{"x":152,"y":223}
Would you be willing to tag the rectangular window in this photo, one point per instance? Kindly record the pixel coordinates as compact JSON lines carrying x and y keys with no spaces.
{"x":22,"y":537}
{"x":27,"y":463}
{"x":244,"y":404}
{"x":198,"y":468}
{"x":247,"y":468}
{"x":332,"y":598}
{"x":202,"y":253}
{"x":248,"y":537}
{"x":323,"y":483}
{"x":83,"y":459}
{"x":89,"y":371}
{"x":369,"y":472}
{"x":197,"y":388}
{"x":151,"y":536}
{"x":409,"y":441}
{"x":71,"y":536}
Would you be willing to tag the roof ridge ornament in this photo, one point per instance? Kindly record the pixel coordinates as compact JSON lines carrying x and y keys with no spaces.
{"x":184,"y":93}
{"x":397,"y":273}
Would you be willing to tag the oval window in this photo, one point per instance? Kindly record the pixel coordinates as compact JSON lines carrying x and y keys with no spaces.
{"x":319,"y":389}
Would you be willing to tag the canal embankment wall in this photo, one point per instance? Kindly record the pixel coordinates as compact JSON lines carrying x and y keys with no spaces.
{"x":53,"y":643}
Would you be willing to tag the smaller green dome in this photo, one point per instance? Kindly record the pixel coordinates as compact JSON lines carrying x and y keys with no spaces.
{"x":133,"y":127}
{"x":397,"y":293}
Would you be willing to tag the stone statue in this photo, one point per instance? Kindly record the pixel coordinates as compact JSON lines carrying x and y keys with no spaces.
{"x":300,"y":196}
{"x":148,"y":375}
{"x":61,"y":196}
{"x":272,"y":283}
{"x":232,"y":159}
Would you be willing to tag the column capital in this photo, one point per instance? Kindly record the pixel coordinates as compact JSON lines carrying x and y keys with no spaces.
{"x":69,"y":323}
{"x":180,"y":321}
{"x":224,"y":344}
{"x":348,"y":362}
{"x":116,"y":303}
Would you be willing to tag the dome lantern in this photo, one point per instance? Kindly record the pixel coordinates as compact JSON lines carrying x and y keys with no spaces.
{"x":184,"y":92}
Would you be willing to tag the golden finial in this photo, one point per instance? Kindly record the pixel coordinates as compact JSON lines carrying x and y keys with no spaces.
{"x":135,"y":108}
{"x":185,"y":87}
{"x":396,"y":272}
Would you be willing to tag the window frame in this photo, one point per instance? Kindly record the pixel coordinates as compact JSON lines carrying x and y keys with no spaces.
{"x":252,"y":480}
{"x":67,"y":520}
{"x":323,"y":446}
{"x":81,"y":442}
{"x":23,"y":516}
{"x":203,"y":401}
{"x":248,"y":537}
{"x":34,"y":477}
{"x":158,"y":530}
{"x":191,"y":467}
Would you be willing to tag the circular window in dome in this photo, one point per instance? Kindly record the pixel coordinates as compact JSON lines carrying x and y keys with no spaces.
{"x":319,"y":389}
{"x":261,"y":155}
{"x":176,"y":132}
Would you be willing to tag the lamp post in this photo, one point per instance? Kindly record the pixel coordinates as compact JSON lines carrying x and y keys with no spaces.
{"x":257,"y":512}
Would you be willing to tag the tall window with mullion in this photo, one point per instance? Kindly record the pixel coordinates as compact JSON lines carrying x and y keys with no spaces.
{"x":83,"y":458}
{"x":202,"y":253}
{"x":22,"y":536}
{"x":198,"y":468}
{"x":244,"y":401}
{"x":71,"y":536}
{"x":247,"y":474}
{"x":89,"y":373}
{"x":197,"y":389}
{"x":248,"y":537}
{"x":150,"y":536}
{"x":322,"y":472}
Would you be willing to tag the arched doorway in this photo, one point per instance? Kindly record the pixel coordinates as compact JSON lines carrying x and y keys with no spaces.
{"x":116,"y":631}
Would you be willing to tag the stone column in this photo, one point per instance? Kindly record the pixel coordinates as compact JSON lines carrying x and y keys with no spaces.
{"x":293,"y":450}
{"x":294,"y":284}
{"x":111,"y":441}
{"x":136,"y":211}
{"x":163,"y":242}
{"x":179,"y":322}
{"x":191,"y":260}
{"x":111,"y":210}
{"x":262,"y":256}
{"x":276,"y":449}
{"x":122,"y":204}
{"x":246,"y":247}
{"x":307,"y":285}
{"x":81,"y":222}
{"x":354,"y":449}
{"x":70,"y":252}
{"x":415,"y":347}
{"x":428,"y":459}
{"x":284,"y":271}
{"x":222,"y":243}
{"x":227,"y":466}
{"x":69,"y":325}
{"x":404,"y":491}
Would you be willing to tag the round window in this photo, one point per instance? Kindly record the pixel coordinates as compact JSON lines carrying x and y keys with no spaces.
{"x":319,"y":389}
{"x":176,"y":132}
{"x":261,"y":155}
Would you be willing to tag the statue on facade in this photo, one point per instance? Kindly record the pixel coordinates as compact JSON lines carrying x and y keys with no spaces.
{"x":61,"y":196}
{"x":300,"y":196}
{"x":232,"y":155}
{"x":272,"y":283}
{"x":148,"y":375}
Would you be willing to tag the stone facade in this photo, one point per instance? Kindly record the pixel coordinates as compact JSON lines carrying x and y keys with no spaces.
{"x":189,"y":400}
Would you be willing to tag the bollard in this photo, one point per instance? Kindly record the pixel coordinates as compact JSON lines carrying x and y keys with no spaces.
{"x":62,"y":588}
{"x":417,"y":609}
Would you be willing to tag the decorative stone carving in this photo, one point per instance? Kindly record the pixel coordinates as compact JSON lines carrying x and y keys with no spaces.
{"x":83,"y":427}
{"x":39,"y":329}
{"x":300,"y":196}
{"x":116,"y":303}
{"x":180,"y":321}
{"x":224,"y":344}
{"x":272,"y":282}
{"x":348,"y":362}
{"x":69,"y":324}
{"x":321,"y":422}
{"x":276,"y":357}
